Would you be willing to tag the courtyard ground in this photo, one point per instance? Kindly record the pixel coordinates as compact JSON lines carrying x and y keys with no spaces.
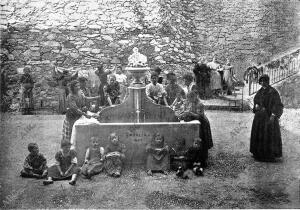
{"x":232,"y":180}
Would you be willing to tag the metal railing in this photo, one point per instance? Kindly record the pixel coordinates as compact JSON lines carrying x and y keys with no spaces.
{"x":278,"y":70}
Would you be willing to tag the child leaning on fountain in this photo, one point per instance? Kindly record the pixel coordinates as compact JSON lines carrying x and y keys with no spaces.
{"x":65,"y":166}
{"x":35,"y":164}
{"x":93,"y":163}
{"x":114,"y":156}
{"x":158,"y":159}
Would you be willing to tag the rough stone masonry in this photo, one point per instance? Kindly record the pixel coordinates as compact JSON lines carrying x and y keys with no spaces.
{"x":171,"y":33}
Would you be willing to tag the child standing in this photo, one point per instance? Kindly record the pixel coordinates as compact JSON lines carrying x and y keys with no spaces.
{"x":93,"y":163}
{"x":158,"y":155}
{"x":65,"y":167}
{"x":35,"y":164}
{"x":114,"y":156}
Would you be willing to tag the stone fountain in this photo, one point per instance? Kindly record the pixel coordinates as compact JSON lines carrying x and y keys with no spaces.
{"x":135,"y":120}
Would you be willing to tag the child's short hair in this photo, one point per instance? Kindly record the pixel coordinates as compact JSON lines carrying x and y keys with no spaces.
{"x":111,"y":134}
{"x":32,"y":146}
{"x":94,"y":138}
{"x":158,"y":134}
{"x":65,"y":143}
{"x":198,"y":140}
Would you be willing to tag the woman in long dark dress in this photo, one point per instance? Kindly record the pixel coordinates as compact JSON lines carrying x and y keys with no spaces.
{"x":102,"y":75}
{"x":194,"y":110}
{"x":265,"y":142}
{"x":202,"y":78}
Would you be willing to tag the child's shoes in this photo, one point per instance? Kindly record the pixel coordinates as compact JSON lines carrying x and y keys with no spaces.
{"x":47,"y":182}
{"x":198,"y":171}
{"x":149,"y":173}
{"x":180,"y":172}
{"x":72,"y":182}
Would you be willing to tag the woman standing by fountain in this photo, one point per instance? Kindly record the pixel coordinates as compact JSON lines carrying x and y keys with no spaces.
{"x":194,"y":110}
{"x":76,"y":107}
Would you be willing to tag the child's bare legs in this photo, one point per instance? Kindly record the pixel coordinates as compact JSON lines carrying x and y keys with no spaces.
{"x":73,"y":180}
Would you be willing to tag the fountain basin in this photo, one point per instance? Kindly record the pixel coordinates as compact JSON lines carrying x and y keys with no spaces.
{"x":135,"y":136}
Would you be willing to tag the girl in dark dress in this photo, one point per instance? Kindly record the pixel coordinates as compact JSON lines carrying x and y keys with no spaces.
{"x":65,"y":167}
{"x":265,"y":142}
{"x":112,"y":91}
{"x":158,"y":159}
{"x":194,"y":110}
{"x":35,"y":164}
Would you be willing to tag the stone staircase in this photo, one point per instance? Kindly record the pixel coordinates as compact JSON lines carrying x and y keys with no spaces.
{"x":235,"y":102}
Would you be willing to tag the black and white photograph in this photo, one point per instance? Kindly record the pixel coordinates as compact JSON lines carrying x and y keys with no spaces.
{"x":150,"y":104}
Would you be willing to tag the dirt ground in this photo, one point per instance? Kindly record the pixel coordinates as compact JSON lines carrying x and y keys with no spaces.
{"x":232,"y":180}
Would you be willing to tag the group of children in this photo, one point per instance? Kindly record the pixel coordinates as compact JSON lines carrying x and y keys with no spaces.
{"x":111,"y":159}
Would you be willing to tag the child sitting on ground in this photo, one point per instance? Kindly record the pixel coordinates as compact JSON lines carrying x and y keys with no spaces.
{"x":195,"y":157}
{"x":178,"y":155}
{"x":93,"y":163}
{"x":65,"y":166}
{"x":158,"y":159}
{"x":35,"y":164}
{"x":114,"y":156}
{"x":194,"y":160}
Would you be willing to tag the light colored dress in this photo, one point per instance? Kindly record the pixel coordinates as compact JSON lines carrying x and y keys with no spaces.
{"x":227,"y":76}
{"x":122,"y":79}
{"x":215,"y":78}
{"x":158,"y":158}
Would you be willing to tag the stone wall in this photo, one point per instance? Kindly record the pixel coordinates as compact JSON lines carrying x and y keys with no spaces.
{"x":171,"y":33}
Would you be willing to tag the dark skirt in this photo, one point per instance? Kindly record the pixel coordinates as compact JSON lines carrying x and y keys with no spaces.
{"x":113,"y":165}
{"x":265,"y":142}
{"x":101,"y":100}
{"x":177,"y":162}
{"x":55,"y":175}
{"x":154,"y":164}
